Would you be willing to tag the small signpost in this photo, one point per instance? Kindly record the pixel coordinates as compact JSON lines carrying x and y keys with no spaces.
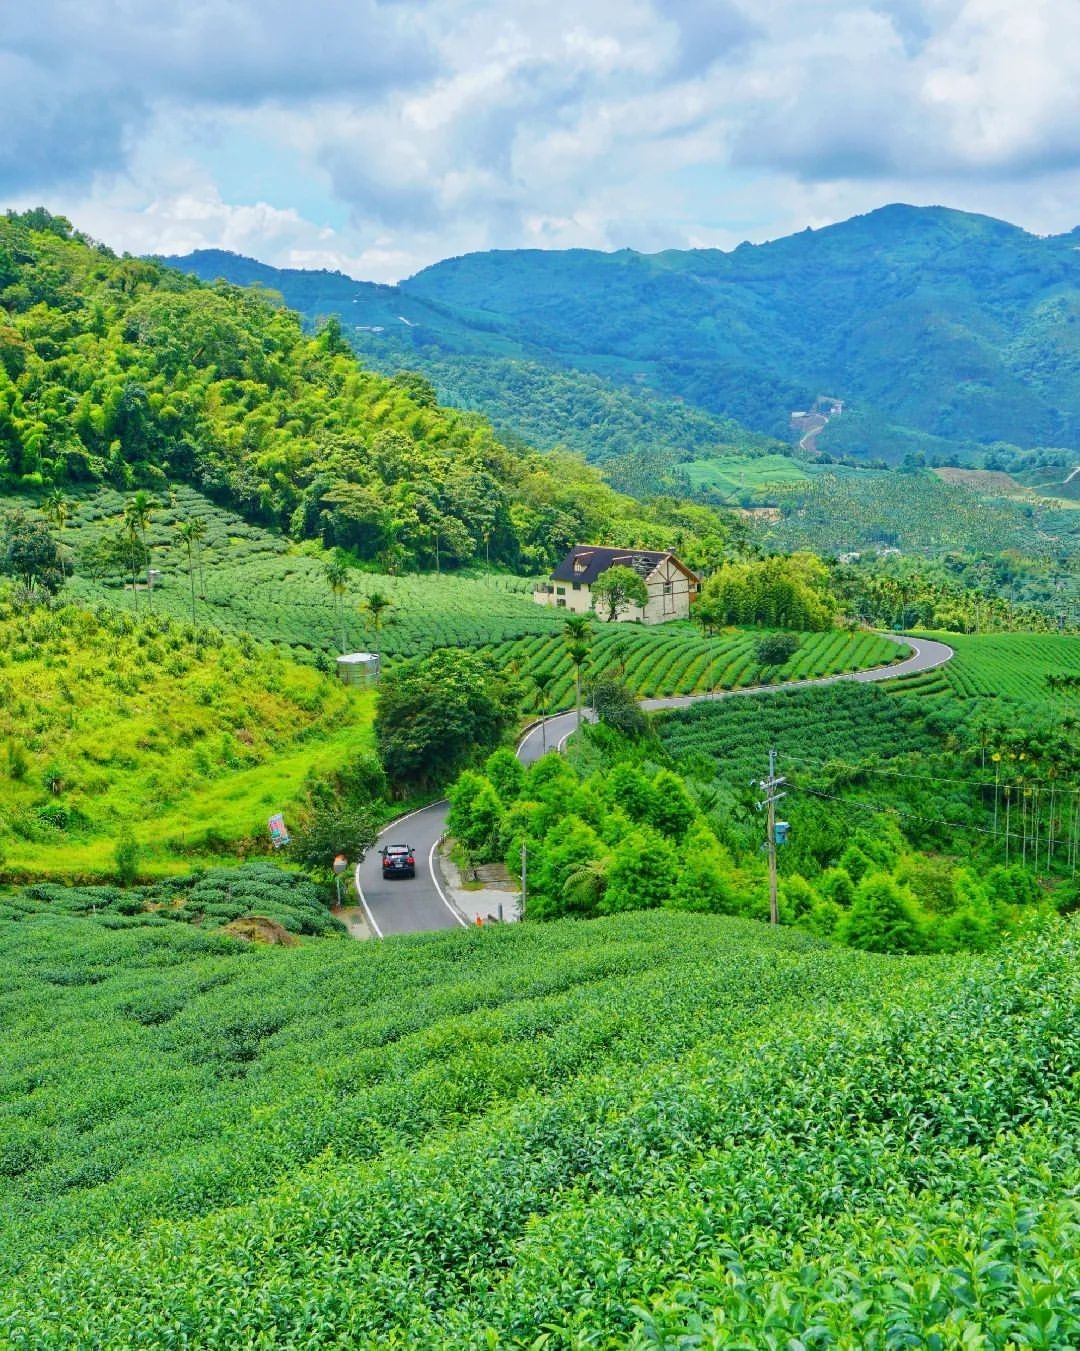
{"x":278,"y":834}
{"x":340,"y":864}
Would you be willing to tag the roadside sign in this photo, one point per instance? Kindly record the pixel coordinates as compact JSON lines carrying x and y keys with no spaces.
{"x":278,"y":834}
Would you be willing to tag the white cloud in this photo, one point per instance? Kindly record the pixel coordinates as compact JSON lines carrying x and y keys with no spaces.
{"x":379,"y":137}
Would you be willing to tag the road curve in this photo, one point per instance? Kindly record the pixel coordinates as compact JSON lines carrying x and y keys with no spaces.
{"x":420,"y":904}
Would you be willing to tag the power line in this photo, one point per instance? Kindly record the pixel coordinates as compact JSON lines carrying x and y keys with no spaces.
{"x":882,"y":809}
{"x":1063,"y":785}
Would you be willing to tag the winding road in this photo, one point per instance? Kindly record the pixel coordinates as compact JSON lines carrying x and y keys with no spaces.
{"x":421,"y":904}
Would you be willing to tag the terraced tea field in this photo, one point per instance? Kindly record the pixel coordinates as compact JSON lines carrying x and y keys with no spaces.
{"x":1016,"y":667}
{"x":490,"y":1139}
{"x":676,"y":659}
{"x":249,"y":580}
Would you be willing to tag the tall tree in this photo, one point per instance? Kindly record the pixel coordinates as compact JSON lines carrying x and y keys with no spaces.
{"x":542,"y":682}
{"x":189,"y":535}
{"x":436,"y":715}
{"x":138,"y":511}
{"x":375,"y":606}
{"x":58,"y":510}
{"x":578,"y":634}
{"x":337,"y":578}
{"x":29,"y":553}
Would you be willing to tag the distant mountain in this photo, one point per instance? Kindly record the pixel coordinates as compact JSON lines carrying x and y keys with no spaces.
{"x":927,"y":322}
{"x":483,"y":365}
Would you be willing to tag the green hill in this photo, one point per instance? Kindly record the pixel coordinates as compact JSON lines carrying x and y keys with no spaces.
{"x":125,"y":372}
{"x":654,"y":1130}
{"x":116,"y":725}
{"x":948,"y":323}
{"x":943,"y":331}
{"x":479,"y":363}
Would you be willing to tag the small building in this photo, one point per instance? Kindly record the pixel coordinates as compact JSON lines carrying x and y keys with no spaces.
{"x":672,"y":586}
{"x":358,"y":668}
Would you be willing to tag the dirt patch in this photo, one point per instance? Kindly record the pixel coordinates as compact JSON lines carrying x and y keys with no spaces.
{"x":766,"y":515}
{"x":259,"y":929}
{"x":984,"y":481}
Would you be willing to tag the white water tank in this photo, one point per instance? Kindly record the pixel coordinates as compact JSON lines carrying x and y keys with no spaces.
{"x":358,"y":668}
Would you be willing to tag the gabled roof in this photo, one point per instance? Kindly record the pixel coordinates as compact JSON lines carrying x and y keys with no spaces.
{"x":585,"y":562}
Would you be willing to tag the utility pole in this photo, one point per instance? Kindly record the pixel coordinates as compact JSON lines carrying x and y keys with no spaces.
{"x":524,"y":877}
{"x":770,"y":787}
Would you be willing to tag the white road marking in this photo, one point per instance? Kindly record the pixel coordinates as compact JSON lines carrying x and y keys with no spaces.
{"x":367,"y":909}
{"x":442,"y":894}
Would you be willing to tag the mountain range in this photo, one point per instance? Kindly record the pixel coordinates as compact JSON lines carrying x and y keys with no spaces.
{"x":938,"y":329}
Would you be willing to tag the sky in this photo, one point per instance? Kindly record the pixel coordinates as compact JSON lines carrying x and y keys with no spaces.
{"x":379,"y":136}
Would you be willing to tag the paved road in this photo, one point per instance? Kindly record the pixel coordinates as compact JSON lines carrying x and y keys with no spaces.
{"x":405,"y":905}
{"x":416,"y":905}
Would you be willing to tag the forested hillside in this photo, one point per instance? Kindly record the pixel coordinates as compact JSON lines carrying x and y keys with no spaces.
{"x":125,"y":372}
{"x":956,"y":325}
{"x":942,"y":331}
{"x":484,"y":365}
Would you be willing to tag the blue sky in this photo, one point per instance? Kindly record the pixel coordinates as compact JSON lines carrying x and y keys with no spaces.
{"x":379,"y":137}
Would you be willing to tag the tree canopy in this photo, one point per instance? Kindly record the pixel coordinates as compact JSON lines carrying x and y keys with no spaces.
{"x":435,"y":716}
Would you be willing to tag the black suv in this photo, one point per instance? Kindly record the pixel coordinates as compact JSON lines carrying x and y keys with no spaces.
{"x":398,"y":860}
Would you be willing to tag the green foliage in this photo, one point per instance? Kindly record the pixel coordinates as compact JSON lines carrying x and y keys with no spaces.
{"x":206,"y":899}
{"x":776,"y":649}
{"x":325,"y":832}
{"x":642,"y":873}
{"x":534,"y":1131}
{"x":616,"y":706}
{"x":436,"y":715}
{"x":788,"y":593}
{"x":126,"y":859}
{"x":619,"y":589}
{"x":840,"y":510}
{"x":131,"y":374}
{"x":882,"y":917}
{"x":123,"y":725}
{"x":476,"y":814}
{"x":29,"y":553}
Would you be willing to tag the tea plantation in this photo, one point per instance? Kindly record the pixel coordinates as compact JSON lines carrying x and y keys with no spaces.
{"x":249,"y":580}
{"x":654,"y":1130}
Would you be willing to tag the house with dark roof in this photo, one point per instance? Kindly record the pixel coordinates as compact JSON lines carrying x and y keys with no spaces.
{"x":671,"y":585}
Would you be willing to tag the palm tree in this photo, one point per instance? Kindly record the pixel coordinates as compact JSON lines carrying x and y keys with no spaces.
{"x":197,"y":527}
{"x":375,"y":605}
{"x":137,"y":513}
{"x":57,"y":509}
{"x":586,"y":883}
{"x":543,"y":681}
{"x":190,"y":533}
{"x":579,"y":655}
{"x":337,"y":577}
{"x":577,"y":631}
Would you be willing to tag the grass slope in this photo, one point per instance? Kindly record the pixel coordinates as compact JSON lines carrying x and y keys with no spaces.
{"x":115,"y":725}
{"x":625,"y":1132}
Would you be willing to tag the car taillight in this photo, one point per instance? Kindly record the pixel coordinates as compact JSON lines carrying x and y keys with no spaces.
{"x":411,"y":861}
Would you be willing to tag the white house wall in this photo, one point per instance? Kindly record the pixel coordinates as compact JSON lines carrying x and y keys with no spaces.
{"x":669,"y":589}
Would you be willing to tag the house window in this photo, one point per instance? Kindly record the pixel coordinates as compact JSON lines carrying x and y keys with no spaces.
{"x":560,"y":604}
{"x":560,"y":590}
{"x":577,"y":586}
{"x":667,"y":588}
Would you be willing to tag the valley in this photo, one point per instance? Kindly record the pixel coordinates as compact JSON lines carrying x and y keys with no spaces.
{"x":782,"y":1050}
